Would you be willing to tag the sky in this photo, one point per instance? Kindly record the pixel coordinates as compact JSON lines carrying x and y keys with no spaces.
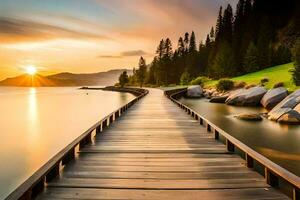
{"x":85,"y":36}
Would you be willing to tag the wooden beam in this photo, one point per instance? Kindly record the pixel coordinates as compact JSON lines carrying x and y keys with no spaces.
{"x":271,"y":178}
{"x":229,"y":146}
{"x":217,"y":135}
{"x":249,"y":161}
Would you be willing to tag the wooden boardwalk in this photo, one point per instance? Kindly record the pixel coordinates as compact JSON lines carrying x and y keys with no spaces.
{"x":156,"y":151}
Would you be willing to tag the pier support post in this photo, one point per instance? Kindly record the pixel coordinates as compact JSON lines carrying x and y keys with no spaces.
{"x":53,"y":173}
{"x":38,"y":188}
{"x":296,"y":194}
{"x":26,"y":195}
{"x":68,"y":157}
{"x":117,"y":114}
{"x":111,"y":119}
{"x":271,"y":178}
{"x":217,"y":135}
{"x":229,"y":146}
{"x":208,"y":127}
{"x":249,"y":161}
{"x":201,"y":121}
{"x":104,"y":124}
{"x":85,"y":141}
{"x":98,"y":130}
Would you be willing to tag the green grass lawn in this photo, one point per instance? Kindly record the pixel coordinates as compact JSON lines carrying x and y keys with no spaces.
{"x":280,"y":73}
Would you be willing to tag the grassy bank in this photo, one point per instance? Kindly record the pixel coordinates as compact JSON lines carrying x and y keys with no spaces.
{"x":280,"y":73}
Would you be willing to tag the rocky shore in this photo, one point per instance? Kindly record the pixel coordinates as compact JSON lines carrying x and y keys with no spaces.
{"x":282,"y":106}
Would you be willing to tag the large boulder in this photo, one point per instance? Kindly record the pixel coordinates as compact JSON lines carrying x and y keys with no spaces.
{"x":286,"y":106}
{"x":246,"y":97}
{"x":194,"y":91}
{"x":273,"y":97}
{"x":290,"y":117}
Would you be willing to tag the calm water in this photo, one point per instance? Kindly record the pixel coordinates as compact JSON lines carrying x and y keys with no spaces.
{"x":280,"y":143}
{"x":37,"y":123}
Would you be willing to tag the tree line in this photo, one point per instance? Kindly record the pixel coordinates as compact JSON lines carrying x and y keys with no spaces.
{"x":260,"y":34}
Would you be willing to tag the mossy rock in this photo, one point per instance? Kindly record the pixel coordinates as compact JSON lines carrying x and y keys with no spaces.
{"x":249,"y":117}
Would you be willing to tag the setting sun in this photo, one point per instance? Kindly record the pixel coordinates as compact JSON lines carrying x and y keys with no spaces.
{"x":31,"y":70}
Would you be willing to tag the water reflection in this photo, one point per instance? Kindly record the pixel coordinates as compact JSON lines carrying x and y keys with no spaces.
{"x":36,"y":123}
{"x":32,"y":107}
{"x":280,"y":143}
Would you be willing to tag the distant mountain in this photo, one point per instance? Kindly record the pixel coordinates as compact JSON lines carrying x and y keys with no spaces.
{"x":65,"y":79}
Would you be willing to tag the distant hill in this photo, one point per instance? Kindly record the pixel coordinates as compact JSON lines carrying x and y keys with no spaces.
{"x":65,"y":79}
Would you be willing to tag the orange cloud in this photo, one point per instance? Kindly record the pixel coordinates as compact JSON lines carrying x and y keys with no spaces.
{"x":15,"y":30}
{"x":126,"y":54}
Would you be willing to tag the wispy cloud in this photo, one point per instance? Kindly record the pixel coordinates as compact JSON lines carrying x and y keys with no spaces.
{"x":126,"y":54}
{"x":16,"y":30}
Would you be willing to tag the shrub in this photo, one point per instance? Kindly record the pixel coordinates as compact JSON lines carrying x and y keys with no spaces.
{"x":225,"y":85}
{"x":199,"y":80}
{"x":240,"y":84}
{"x":263,"y":81}
{"x":278,"y":84}
{"x":250,"y":86}
{"x":185,"y":78}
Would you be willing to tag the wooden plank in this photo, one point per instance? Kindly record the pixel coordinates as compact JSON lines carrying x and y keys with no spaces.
{"x":100,"y":194}
{"x":175,"y":169}
{"x":158,"y":184}
{"x":162,"y":176}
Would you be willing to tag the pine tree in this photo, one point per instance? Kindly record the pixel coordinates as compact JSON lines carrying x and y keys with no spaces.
{"x":141,"y":72}
{"x":186,"y":40}
{"x":151,"y":76}
{"x":223,"y":62}
{"x":181,"y":47}
{"x":168,"y":51}
{"x":207,"y":41}
{"x":212,"y":34}
{"x":264,"y":44}
{"x":166,"y":65}
{"x":219,"y":26}
{"x":251,"y":59}
{"x":123,"y":79}
{"x":192,"y":44}
{"x":160,"y":49}
{"x":296,"y":58}
{"x":227,"y":23}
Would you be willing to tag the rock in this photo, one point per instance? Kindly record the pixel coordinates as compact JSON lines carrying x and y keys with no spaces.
{"x":249,"y":117}
{"x":297,"y":108}
{"x":285,"y":106}
{"x":246,"y":97}
{"x":290,"y":117}
{"x":278,"y":113}
{"x":234,"y":96}
{"x":220,"y":99}
{"x":273,"y":97}
{"x":194,"y":91}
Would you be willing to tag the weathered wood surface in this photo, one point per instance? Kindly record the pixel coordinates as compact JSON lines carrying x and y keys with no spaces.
{"x":156,"y":151}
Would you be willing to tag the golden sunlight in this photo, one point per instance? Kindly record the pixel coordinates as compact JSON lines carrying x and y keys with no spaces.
{"x":31,"y":70}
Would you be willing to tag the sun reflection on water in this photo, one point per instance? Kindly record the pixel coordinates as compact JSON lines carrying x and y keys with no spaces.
{"x":32,"y":105}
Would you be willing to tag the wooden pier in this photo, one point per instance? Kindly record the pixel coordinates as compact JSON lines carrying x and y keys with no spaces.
{"x":157,"y":151}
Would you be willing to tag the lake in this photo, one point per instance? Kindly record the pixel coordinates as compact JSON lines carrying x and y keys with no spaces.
{"x":36,"y":123}
{"x":279,"y":143}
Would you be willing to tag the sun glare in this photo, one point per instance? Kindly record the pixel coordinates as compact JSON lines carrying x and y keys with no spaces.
{"x":31,"y":70}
